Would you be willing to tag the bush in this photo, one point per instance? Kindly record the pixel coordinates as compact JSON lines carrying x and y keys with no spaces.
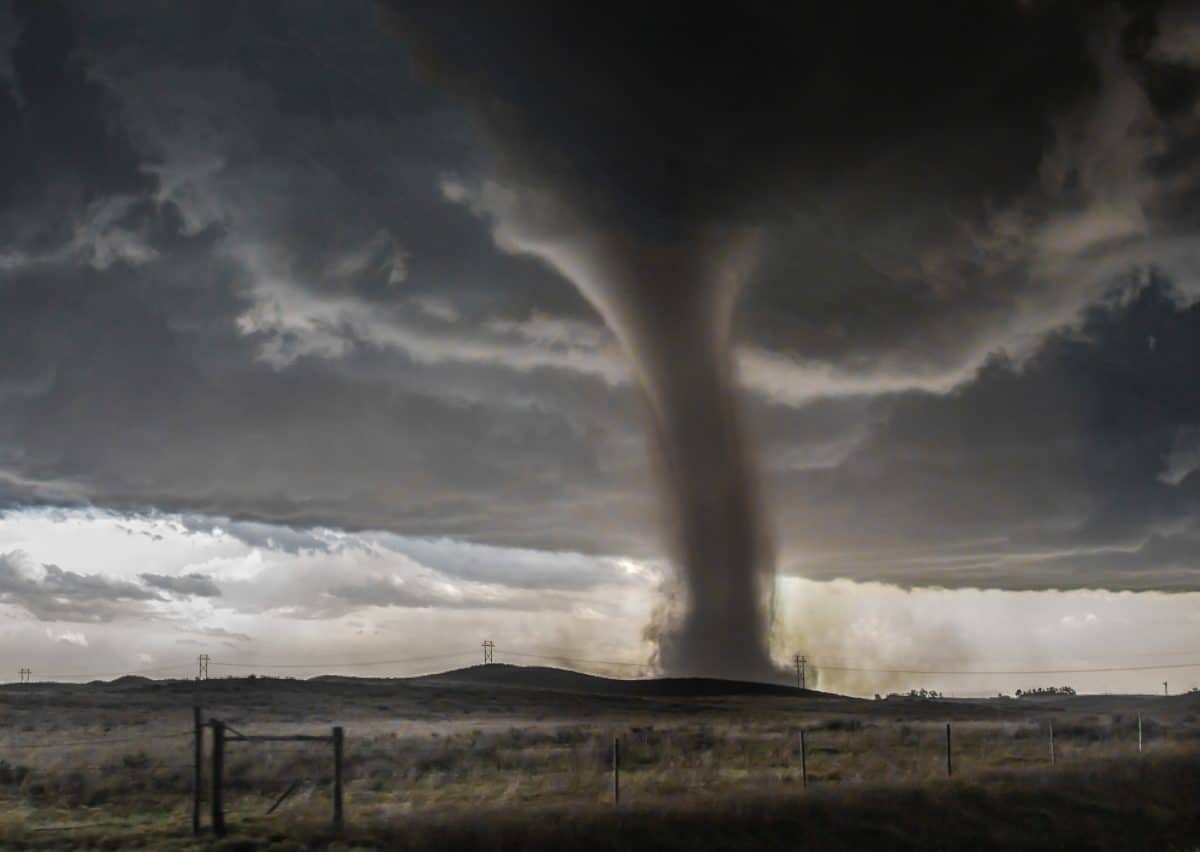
{"x":11,"y":775}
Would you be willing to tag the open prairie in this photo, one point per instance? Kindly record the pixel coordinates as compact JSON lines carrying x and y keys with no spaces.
{"x":504,"y":757}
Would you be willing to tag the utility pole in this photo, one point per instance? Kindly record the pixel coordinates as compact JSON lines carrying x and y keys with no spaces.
{"x":801,"y":661}
{"x":616,"y":769}
{"x":339,"y":738}
{"x":26,"y":675}
{"x":202,"y":667}
{"x":197,"y":767}
{"x":488,"y":648}
{"x":218,"y":770}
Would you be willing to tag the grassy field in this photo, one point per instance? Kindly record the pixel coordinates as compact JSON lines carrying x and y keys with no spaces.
{"x":493,"y":759}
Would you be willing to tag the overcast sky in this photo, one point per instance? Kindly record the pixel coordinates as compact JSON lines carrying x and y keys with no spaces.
{"x":275,"y":384}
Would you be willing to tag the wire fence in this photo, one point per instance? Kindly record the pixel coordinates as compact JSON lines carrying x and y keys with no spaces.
{"x":265,"y":769}
{"x":640,"y":760}
{"x":98,"y":740}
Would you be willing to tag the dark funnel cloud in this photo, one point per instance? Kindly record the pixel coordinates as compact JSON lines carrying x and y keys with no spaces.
{"x":645,"y":148}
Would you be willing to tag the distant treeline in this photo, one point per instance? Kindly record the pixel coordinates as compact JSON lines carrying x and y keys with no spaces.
{"x":913,"y":693}
{"x":1020,"y":693}
{"x":1046,"y":690}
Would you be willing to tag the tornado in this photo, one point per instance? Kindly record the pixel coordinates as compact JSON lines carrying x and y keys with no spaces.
{"x":642,"y":149}
{"x":671,"y":305}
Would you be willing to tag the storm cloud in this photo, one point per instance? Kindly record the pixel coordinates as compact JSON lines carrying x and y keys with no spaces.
{"x":1073,"y":467}
{"x":252,"y":268}
{"x":645,"y":152}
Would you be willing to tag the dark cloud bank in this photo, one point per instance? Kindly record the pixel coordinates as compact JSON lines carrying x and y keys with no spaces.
{"x":651,"y":145}
{"x":251,"y":266}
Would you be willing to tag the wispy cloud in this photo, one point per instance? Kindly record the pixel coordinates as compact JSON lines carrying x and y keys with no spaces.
{"x":54,"y":594}
{"x":184,"y":585}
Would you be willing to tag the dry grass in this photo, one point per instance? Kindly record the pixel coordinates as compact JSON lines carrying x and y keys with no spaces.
{"x":424,"y":774}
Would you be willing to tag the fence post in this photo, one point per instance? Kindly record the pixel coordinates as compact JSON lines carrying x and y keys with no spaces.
{"x":949,"y":761}
{"x":338,"y":738}
{"x":616,"y":761}
{"x":197,"y":767}
{"x":1139,"y":733}
{"x":803,"y":763}
{"x":1051,"y":742}
{"x":218,"y":765}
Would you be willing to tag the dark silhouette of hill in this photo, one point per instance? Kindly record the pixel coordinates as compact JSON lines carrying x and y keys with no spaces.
{"x":566,"y":680}
{"x":127,"y":681}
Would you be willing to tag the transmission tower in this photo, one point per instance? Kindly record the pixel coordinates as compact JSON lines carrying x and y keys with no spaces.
{"x":26,"y":675}
{"x":202,"y":667}
{"x":800,"y":664}
{"x":489,"y":648}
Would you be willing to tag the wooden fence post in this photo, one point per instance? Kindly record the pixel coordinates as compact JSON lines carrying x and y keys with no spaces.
{"x":218,"y":765}
{"x":949,"y":761}
{"x":1139,"y":733}
{"x":338,"y":738}
{"x":616,"y":763}
{"x":803,"y":763}
{"x":197,"y":767}
{"x":1051,"y":742}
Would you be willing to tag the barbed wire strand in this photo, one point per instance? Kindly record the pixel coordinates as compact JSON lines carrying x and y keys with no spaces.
{"x":97,"y":740}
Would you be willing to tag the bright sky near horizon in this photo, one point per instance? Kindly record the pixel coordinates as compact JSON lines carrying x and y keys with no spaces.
{"x":161,"y":590}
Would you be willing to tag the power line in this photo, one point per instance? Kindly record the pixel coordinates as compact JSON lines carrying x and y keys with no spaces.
{"x":1101,"y":669}
{"x":567,"y":658}
{"x":564,"y":659}
{"x":125,"y":673}
{"x":963,"y":672}
{"x":344,"y":664}
{"x":180,"y":667}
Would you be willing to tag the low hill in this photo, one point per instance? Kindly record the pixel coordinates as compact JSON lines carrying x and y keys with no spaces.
{"x":565,"y":680}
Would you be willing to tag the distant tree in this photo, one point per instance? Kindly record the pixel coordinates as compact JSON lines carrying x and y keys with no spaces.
{"x":922,"y":693}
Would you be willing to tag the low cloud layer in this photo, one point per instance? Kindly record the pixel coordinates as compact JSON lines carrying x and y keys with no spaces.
{"x":333,"y":599}
{"x":372,"y":611}
{"x":208,"y":565}
{"x":50,"y":593}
